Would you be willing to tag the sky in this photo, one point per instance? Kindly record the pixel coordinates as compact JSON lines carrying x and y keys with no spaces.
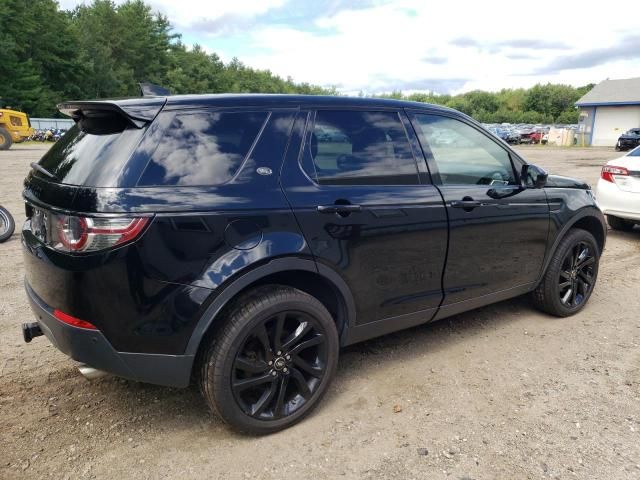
{"x":444,"y":46}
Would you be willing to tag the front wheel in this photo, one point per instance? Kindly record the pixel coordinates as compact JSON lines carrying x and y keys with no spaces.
{"x":272,"y":361}
{"x":570,"y":277}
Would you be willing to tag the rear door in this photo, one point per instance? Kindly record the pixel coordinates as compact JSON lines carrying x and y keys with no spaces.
{"x":499,"y":230}
{"x":369,"y":211}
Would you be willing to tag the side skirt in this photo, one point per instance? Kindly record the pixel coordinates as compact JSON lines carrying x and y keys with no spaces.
{"x":370,"y":330}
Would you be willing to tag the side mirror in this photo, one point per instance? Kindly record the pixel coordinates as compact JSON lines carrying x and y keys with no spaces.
{"x":533,"y":176}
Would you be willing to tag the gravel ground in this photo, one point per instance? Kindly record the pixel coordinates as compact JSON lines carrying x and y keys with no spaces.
{"x":502,"y":392}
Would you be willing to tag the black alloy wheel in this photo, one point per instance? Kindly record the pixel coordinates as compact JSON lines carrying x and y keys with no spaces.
{"x":280,"y":365}
{"x":271,"y":360}
{"x":571,"y":275}
{"x":576,"y":277}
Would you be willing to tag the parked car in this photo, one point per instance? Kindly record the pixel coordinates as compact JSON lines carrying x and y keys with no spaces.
{"x":499,"y":132}
{"x":618,"y":191}
{"x":513,"y":137}
{"x":219,"y":237}
{"x":628,"y":140}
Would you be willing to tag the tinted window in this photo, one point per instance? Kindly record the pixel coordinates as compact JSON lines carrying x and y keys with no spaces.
{"x":81,"y":158}
{"x":360,"y":148}
{"x":203,"y":148}
{"x":463,"y":154}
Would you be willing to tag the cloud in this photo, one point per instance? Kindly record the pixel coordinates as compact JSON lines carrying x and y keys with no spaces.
{"x":435,"y":60}
{"x":518,"y":43}
{"x":436,"y":85}
{"x":519,"y":56}
{"x":627,"y":49}
{"x":196,"y":14}
{"x":228,"y":23}
{"x":532,"y":43}
{"x":464,"y":42}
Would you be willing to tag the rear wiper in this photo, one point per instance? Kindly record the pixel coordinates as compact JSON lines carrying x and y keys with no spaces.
{"x":41,"y":169}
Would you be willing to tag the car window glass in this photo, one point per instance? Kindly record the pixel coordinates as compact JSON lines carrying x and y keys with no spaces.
{"x":204,"y":148}
{"x":463,"y":154}
{"x":359,"y":148}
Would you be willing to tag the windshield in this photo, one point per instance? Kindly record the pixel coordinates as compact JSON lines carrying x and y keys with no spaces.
{"x":634,"y":153}
{"x":81,"y":158}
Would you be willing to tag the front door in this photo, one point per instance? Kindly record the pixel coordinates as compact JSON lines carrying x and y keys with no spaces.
{"x":499,"y":230}
{"x":369,"y":212}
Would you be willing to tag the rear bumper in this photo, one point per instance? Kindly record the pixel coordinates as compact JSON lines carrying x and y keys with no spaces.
{"x":616,"y":202}
{"x":91,"y":347}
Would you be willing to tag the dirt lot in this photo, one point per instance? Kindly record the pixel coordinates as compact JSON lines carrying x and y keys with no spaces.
{"x":502,"y":392}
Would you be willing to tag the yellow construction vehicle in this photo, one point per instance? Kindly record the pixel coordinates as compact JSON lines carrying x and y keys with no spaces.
{"x":14,"y":127}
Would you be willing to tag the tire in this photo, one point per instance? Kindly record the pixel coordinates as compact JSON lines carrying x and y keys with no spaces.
{"x":5,"y":139}
{"x":238,"y":354}
{"x":621,"y":224}
{"x":7,"y":225}
{"x":566,"y":287}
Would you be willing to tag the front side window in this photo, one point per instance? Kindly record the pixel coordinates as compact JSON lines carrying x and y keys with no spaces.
{"x":360,"y":148}
{"x":203,"y":148}
{"x":15,"y":121}
{"x":463,"y":154}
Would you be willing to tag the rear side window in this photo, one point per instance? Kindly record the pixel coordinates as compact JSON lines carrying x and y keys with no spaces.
{"x":359,"y":148}
{"x":90,"y":159}
{"x":203,"y":148}
{"x":15,"y":121}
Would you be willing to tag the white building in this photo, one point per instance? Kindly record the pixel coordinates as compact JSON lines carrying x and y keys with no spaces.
{"x":611,"y":108}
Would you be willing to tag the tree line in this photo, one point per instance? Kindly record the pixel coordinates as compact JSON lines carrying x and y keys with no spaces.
{"x":102,"y":50}
{"x":550,"y":103}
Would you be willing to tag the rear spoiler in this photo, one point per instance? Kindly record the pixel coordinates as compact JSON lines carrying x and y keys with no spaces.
{"x":136,"y":111}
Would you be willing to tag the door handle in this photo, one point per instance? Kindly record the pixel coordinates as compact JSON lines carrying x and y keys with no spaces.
{"x":339,"y":208}
{"x":466,"y":204}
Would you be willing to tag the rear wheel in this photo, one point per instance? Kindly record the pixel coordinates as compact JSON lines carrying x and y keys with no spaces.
{"x":618,"y":223}
{"x":570,"y":277}
{"x":5,"y":139}
{"x":272,"y":361}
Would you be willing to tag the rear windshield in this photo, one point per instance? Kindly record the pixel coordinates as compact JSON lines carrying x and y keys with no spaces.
{"x":81,"y":158}
{"x":203,"y":148}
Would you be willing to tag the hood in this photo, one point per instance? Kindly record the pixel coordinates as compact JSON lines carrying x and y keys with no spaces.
{"x":558,"y":181}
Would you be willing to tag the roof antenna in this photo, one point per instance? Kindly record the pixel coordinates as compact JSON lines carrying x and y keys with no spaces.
{"x":151,"y":90}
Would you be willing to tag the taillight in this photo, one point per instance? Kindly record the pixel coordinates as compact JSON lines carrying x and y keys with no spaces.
{"x":73,"y":321}
{"x":608,"y":172}
{"x":88,"y":234}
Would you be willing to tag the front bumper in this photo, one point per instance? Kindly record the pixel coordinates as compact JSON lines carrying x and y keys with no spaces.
{"x":624,"y":144}
{"x":91,"y":347}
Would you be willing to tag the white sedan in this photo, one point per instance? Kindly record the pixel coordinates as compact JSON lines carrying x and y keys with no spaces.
{"x":618,"y":191}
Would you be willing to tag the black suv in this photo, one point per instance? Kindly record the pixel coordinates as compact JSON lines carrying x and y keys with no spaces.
{"x":243,"y":239}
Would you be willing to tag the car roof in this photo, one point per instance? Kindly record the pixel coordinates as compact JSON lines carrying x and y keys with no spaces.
{"x":146,"y":108}
{"x":275,"y":100}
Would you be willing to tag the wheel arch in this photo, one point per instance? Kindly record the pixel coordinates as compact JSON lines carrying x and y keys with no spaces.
{"x":591,"y":220}
{"x":315,"y":279}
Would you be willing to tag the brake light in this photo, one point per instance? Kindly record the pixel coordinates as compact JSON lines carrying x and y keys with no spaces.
{"x":87,"y":234}
{"x":73,"y":321}
{"x":608,"y":172}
